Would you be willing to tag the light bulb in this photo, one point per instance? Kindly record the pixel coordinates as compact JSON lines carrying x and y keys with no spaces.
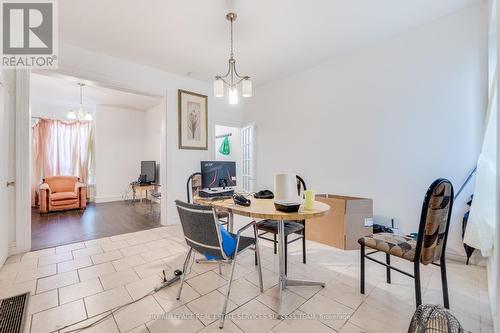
{"x":218,"y":88}
{"x":71,"y":115}
{"x":88,"y":116}
{"x":233,"y":96}
{"x":246,"y":88}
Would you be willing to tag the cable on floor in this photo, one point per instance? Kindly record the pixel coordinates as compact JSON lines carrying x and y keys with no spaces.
{"x":79,"y":329}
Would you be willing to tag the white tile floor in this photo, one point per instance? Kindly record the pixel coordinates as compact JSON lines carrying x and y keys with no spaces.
{"x":80,"y":283}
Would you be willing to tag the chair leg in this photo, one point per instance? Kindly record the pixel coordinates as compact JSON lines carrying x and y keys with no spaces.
{"x":418,"y":290}
{"x":184,"y":272}
{"x":388,"y":270}
{"x":286,"y":255}
{"x":224,"y":307}
{"x":444,"y":283}
{"x":275,"y":245}
{"x":304,"y":245}
{"x":257,"y":255}
{"x":362,"y":269}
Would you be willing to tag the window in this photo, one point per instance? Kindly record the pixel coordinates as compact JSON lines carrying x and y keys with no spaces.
{"x":247,"y":159}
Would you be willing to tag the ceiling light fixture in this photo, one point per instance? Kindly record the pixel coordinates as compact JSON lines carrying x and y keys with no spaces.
{"x":232,"y":79}
{"x":80,"y":113}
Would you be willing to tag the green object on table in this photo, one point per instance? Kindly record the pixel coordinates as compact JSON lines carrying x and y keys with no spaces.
{"x":224,"y":148}
{"x":309,"y":199}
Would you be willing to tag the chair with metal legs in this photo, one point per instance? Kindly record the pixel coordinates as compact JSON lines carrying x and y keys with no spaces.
{"x":429,"y":247}
{"x":193,"y":187}
{"x":297,"y":228}
{"x":156,"y":195}
{"x":202,"y":232}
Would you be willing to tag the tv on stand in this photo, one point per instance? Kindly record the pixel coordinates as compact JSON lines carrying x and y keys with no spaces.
{"x":148,"y":172}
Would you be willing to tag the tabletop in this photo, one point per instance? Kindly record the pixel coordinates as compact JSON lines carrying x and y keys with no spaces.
{"x":264,"y":209}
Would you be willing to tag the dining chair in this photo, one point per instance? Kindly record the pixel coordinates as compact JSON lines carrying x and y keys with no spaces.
{"x":203,"y":234}
{"x":193,"y":187}
{"x":155,"y":196}
{"x":429,"y":247}
{"x":291,"y":227}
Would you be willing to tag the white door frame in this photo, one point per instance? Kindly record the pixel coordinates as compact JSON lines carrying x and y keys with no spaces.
{"x":23,"y":162}
{"x":254,"y":153}
{"x":23,"y":150}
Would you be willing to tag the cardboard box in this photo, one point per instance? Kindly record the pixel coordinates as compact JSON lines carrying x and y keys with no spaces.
{"x":344,"y":224}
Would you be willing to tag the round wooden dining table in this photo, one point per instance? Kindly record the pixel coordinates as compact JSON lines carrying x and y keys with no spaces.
{"x":264,"y":209}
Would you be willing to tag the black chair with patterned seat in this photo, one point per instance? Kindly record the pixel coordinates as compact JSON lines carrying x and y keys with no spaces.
{"x":429,"y":247}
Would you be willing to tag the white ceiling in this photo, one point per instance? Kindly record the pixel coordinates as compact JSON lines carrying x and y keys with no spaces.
{"x":65,"y":91}
{"x":273,"y":38}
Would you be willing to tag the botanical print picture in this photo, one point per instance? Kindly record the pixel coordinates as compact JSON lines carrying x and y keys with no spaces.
{"x":193,"y":120}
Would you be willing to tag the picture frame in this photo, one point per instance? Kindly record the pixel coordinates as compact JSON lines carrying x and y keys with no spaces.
{"x":193,"y":120}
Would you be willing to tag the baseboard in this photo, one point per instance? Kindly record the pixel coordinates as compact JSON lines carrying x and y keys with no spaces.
{"x":12,"y":250}
{"x":475,"y":259}
{"x":455,"y":256}
{"x":108,"y":199}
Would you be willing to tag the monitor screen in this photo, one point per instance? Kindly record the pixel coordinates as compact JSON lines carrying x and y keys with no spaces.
{"x":216,"y":174}
{"x":148,"y":168}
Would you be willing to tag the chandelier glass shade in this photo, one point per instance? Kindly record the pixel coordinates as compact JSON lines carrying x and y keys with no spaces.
{"x":80,"y":113}
{"x":232,"y":78}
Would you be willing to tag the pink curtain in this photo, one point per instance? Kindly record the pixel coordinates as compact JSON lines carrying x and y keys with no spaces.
{"x":60,"y":148}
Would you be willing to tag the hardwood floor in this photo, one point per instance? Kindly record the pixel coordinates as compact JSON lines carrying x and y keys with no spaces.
{"x":97,"y":221}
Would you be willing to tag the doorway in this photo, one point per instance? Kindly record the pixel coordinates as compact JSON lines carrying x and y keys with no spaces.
{"x":237,"y":144}
{"x":111,"y":132}
{"x":227,"y":146}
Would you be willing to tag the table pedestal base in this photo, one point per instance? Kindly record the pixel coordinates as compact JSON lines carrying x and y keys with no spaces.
{"x":283,"y":281}
{"x":303,"y":283}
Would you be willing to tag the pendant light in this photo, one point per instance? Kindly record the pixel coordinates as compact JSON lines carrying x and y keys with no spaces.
{"x":80,"y":113}
{"x":232,"y":79}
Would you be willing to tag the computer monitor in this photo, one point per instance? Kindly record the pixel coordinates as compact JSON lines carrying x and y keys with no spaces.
{"x":218,"y":174}
{"x":148,"y":168}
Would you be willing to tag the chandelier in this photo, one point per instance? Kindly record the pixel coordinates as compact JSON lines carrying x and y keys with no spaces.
{"x":80,"y":113}
{"x":232,"y":79}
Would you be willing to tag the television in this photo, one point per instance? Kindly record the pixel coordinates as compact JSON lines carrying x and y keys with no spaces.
{"x":218,"y":174}
{"x":148,"y":168}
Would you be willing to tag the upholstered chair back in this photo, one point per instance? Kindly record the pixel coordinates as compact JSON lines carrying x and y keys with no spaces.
{"x":200,"y":228}
{"x":61,"y":183}
{"x":193,"y":186}
{"x":435,"y":221}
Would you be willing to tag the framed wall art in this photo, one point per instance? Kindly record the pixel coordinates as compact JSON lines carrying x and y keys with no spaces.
{"x":193,"y":120}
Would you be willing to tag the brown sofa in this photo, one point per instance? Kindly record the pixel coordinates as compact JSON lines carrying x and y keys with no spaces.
{"x":62,"y":193}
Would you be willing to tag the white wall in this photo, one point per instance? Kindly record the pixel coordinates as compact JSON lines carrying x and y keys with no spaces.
{"x":180,"y":163}
{"x":382,"y":121}
{"x":121,"y":143}
{"x":153,"y":134}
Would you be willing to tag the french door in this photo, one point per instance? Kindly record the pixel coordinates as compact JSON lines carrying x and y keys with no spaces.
{"x":248,"y":159}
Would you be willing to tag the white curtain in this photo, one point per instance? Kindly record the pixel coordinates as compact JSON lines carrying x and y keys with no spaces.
{"x":60,"y":148}
{"x":480,"y":232}
{"x":481,"y":226}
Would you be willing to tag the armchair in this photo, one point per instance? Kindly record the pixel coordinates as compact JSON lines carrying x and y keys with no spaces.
{"x":62,"y":193}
